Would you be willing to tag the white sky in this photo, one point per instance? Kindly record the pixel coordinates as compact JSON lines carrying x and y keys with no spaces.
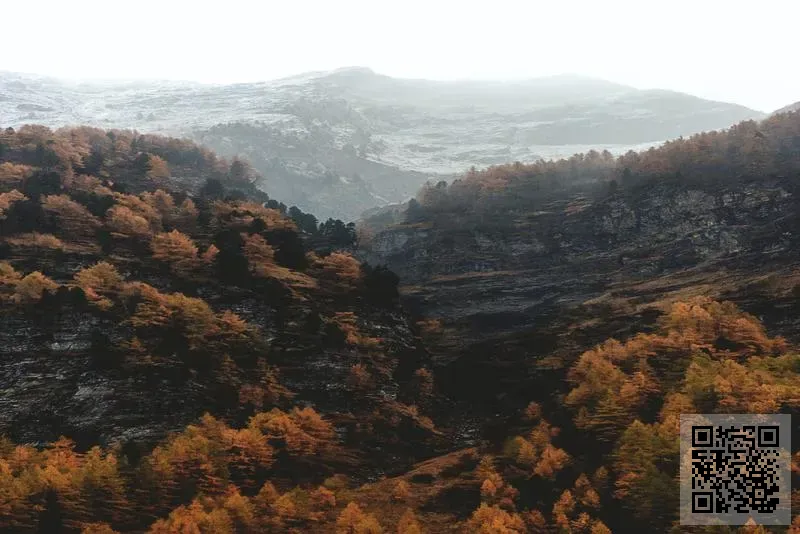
{"x":742,"y":51}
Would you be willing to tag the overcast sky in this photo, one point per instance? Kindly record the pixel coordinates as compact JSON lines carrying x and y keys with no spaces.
{"x":742,"y":51}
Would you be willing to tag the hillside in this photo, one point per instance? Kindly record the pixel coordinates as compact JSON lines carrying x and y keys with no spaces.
{"x":337,"y":143}
{"x":182,"y":353}
{"x":789,"y":108}
{"x":591,"y":228}
{"x":523,"y":269}
{"x":144,"y":283}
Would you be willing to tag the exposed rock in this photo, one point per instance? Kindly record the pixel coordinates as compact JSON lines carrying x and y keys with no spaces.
{"x":512,"y":295}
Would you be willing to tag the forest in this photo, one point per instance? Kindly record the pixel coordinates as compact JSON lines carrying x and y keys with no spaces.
{"x":283,"y":386}
{"x":749,"y":151}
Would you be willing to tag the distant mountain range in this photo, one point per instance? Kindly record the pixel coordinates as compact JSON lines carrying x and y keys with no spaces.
{"x":340,"y":142}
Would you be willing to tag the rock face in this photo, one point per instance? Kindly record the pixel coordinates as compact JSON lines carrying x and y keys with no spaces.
{"x":116,"y":329}
{"x":59,"y":378}
{"x":337,"y":143}
{"x":517,"y":285}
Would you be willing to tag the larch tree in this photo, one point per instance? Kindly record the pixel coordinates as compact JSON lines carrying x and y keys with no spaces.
{"x":176,"y":249}
{"x":124,"y":221}
{"x":29,"y":290}
{"x":158,"y":168}
{"x":72,"y":219}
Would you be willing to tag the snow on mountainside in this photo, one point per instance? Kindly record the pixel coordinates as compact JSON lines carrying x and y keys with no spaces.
{"x":340,"y":142}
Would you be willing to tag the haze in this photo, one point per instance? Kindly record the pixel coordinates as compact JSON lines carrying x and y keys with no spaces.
{"x":737,"y":52}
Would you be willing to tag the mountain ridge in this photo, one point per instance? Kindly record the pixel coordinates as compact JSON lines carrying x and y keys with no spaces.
{"x":339,"y":142}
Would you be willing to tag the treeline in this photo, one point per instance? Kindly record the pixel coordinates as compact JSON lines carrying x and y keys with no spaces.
{"x":127,"y":155}
{"x":747,"y":151}
{"x":37,"y":160}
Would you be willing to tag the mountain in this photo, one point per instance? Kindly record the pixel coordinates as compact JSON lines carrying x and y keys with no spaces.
{"x":566,"y":283}
{"x":181,"y":353}
{"x":340,"y":142}
{"x":143,"y":285}
{"x":499,"y":251}
{"x":789,"y":108}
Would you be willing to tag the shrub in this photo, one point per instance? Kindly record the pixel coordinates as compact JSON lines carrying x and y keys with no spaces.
{"x":125,"y":222}
{"x":343,"y":266}
{"x":37,"y":240}
{"x":31,"y":288}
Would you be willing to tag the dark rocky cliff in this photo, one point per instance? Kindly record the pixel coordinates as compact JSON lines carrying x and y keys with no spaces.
{"x":589,"y":262}
{"x":150,"y":341}
{"x":62,"y":373}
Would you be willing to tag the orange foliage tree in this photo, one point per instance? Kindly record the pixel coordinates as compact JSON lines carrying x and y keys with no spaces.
{"x":124,"y":222}
{"x":176,"y":249}
{"x":72,"y":218}
{"x":353,"y":520}
{"x":30,"y":288}
{"x":99,"y":282}
{"x":7,"y":199}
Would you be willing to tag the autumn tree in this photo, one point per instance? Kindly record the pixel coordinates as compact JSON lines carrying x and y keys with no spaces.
{"x":409,"y":524}
{"x":573,"y":510}
{"x":9,"y":278}
{"x":210,"y":254}
{"x":494,"y":520}
{"x":72,"y":219}
{"x":645,"y":489}
{"x":102,"y":278}
{"x":176,"y":249}
{"x":29,"y":289}
{"x":347,"y":323}
{"x":536,"y":451}
{"x":353,"y":520}
{"x":125,"y":222}
{"x":158,"y":168}
{"x":143,"y":206}
{"x":260,"y":255}
{"x":162,"y":202}
{"x":37,"y":241}
{"x":101,"y":486}
{"x":99,"y":282}
{"x":13,"y":174}
{"x":266,"y":390}
{"x":494,"y":489}
{"x":343,"y":267}
{"x":7,"y":199}
{"x":195,"y":518}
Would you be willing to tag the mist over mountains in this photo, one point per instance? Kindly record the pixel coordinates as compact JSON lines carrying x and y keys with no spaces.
{"x":340,"y":142}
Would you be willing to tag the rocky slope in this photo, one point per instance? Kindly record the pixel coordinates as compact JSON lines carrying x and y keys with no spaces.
{"x":107,"y":340}
{"x":533,"y":270}
{"x":336,"y":143}
{"x":143,"y":282}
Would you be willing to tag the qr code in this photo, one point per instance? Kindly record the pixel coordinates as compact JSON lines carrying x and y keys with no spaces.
{"x":735,"y":468}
